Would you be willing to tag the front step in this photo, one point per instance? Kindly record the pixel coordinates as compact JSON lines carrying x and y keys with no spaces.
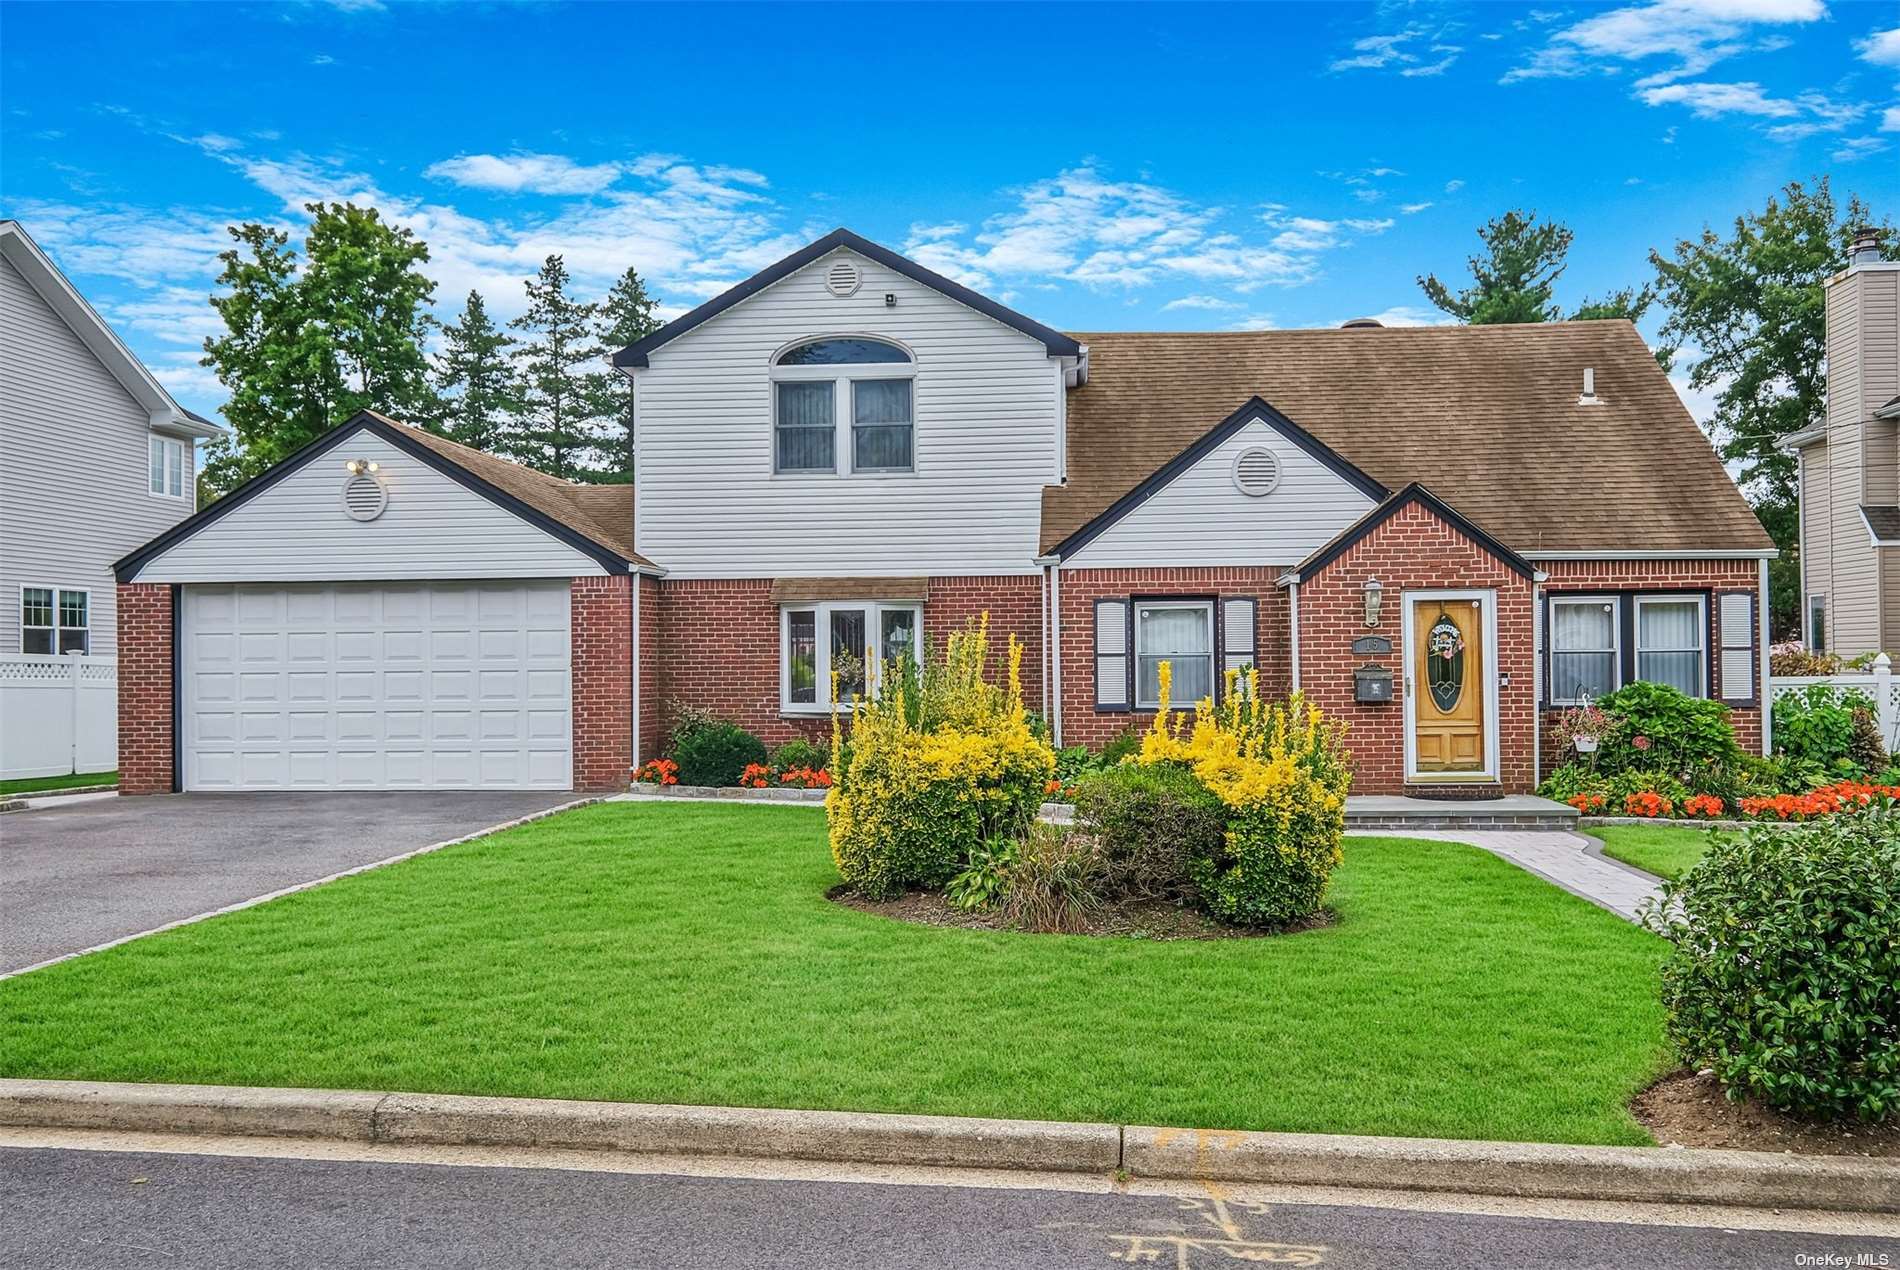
{"x":1368,"y":813}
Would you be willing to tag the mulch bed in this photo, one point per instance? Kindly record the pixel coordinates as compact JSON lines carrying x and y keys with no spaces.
{"x":1152,"y":920}
{"x":1687,"y":1109}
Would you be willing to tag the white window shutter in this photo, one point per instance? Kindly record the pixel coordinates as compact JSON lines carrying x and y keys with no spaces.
{"x":1111,"y":654}
{"x":1737,"y":630}
{"x":1239,"y":639}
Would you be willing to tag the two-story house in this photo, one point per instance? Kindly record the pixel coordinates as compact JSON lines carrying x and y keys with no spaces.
{"x":95,"y":458}
{"x":1442,"y":535}
{"x":1850,"y":466}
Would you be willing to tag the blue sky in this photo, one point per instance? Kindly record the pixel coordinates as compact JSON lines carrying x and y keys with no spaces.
{"x":1097,"y":167}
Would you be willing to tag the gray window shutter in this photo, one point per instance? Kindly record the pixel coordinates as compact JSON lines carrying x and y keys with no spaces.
{"x":1737,"y":630}
{"x":1239,"y":638}
{"x":1111,"y":655}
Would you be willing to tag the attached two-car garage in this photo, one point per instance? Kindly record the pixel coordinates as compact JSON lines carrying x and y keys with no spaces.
{"x":460,"y":623}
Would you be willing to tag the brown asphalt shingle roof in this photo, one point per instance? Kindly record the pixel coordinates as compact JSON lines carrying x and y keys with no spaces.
{"x":603,"y":513}
{"x":1484,"y":416}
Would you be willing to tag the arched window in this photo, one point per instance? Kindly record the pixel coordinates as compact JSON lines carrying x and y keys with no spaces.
{"x":842,"y":393}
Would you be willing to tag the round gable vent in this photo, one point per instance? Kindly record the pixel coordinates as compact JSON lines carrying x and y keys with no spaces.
{"x":1256,"y":472}
{"x":364,"y":497}
{"x":843,"y":279}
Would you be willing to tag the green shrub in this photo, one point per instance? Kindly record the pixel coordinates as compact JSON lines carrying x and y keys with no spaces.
{"x":798,"y":752}
{"x":1814,"y":725}
{"x":715,"y":754}
{"x":1050,"y":884}
{"x":686,"y":721}
{"x":1572,"y":780}
{"x":1639,"y":781}
{"x":1663,"y":728}
{"x":1785,"y":972}
{"x":1073,"y":762}
{"x":984,"y":876}
{"x":1122,"y":747}
{"x":1147,"y":822}
{"x":1865,"y":748}
{"x":941,"y":762}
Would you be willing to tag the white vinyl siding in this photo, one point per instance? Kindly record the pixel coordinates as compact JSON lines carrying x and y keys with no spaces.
{"x":985,"y":405}
{"x":1862,"y":463}
{"x":75,"y":486}
{"x":458,"y":685}
{"x":1202,"y":518}
{"x":433,"y":527}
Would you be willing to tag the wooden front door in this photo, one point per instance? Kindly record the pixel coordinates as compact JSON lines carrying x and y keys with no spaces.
{"x":1449,"y":688}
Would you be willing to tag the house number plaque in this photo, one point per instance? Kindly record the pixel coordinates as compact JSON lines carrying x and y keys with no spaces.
{"x":1371,"y":646}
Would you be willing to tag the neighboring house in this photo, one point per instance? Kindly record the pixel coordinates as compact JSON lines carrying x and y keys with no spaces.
{"x":97,"y":459}
{"x":1441,"y":535}
{"x":1850,"y":466}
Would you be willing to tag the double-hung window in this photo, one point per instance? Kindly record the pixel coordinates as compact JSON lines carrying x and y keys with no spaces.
{"x":171,"y":474}
{"x":1181,"y":633}
{"x":55,"y":619}
{"x":845,"y":643}
{"x":1672,"y":642}
{"x":1584,"y":648}
{"x":848,"y":399}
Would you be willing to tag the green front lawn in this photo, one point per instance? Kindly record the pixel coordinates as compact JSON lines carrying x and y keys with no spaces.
{"x":685,"y":953}
{"x":1668,"y":851}
{"x":37,"y":784}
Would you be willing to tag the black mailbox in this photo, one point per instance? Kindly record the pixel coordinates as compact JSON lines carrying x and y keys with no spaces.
{"x":1371,"y":684}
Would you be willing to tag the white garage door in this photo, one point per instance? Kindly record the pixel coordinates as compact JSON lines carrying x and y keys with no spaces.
{"x":428,"y":685}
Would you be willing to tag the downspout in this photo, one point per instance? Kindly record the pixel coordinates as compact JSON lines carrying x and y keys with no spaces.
{"x":1045,"y":641}
{"x":1767,"y":666}
{"x":1537,"y":681}
{"x":633,"y":579}
{"x":1293,"y":627}
{"x":1055,"y":649}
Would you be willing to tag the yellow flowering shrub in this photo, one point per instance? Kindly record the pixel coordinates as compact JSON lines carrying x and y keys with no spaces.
{"x":941,"y":761}
{"x":1281,"y":771}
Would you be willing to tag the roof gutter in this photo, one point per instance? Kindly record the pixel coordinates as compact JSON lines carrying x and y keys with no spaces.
{"x":1808,"y":436}
{"x":1687,"y":553}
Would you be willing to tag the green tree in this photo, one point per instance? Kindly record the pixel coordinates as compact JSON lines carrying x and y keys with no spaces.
{"x":625,"y":316}
{"x":567,"y":415}
{"x":306,"y":348}
{"x":475,"y":380}
{"x":1515,"y":278}
{"x":1751,"y":306}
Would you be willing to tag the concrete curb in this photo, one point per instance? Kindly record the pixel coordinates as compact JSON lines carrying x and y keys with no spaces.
{"x":1522,"y":1170}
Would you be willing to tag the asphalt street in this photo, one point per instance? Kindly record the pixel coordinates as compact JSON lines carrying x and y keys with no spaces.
{"x":89,"y":1208}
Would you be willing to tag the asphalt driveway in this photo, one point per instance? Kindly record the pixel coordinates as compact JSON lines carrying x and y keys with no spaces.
{"x":76,"y":876}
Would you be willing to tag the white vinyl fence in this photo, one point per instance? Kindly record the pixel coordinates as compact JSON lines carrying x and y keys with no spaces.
{"x":58,"y":714}
{"x":1879,"y":685}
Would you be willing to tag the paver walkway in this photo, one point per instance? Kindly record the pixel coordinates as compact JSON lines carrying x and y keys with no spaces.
{"x":1562,"y":859}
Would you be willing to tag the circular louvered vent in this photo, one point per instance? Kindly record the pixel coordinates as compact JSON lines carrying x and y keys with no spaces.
{"x":364,"y":497}
{"x":843,"y":279}
{"x":1256,"y":472}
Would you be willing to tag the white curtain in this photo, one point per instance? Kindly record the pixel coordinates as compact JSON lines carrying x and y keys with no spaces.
{"x":1583,"y":642}
{"x":805,"y":431}
{"x":1669,"y":644}
{"x":1184,"y":638}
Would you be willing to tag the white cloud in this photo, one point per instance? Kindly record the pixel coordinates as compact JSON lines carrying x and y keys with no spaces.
{"x":1401,"y":51}
{"x":1209,"y":302}
{"x":924,"y":232}
{"x":1890,"y":119}
{"x":1693,"y":35}
{"x":1882,"y":48}
{"x":526,"y":173}
{"x":1803,"y":115}
{"x":1413,"y":209}
{"x":1452,"y":187}
{"x":1854,"y":148}
{"x":1255,"y":322}
{"x":1403,"y":315}
{"x":321,"y":59}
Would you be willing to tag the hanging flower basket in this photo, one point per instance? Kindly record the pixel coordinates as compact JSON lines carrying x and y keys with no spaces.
{"x":1584,"y":744}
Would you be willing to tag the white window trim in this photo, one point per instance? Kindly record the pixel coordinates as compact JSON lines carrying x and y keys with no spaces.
{"x":1702,"y":634}
{"x":1807,"y":622}
{"x":874,"y":654}
{"x":1213,"y":651}
{"x":187,"y":467}
{"x":1616,"y":642}
{"x":58,"y":592}
{"x":1408,"y":605}
{"x":842,"y":375}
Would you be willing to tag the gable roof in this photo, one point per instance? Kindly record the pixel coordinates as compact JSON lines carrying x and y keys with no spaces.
{"x":72,"y":308}
{"x":1255,"y":409}
{"x":1488,"y":414}
{"x":580,"y":515}
{"x":1390,"y":507}
{"x":635,"y":355}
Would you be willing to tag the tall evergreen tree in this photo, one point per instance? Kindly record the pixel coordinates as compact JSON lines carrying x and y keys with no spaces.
{"x":566,"y":421}
{"x":304,"y":350}
{"x":625,"y":316}
{"x":475,"y":380}
{"x":1514,"y":279}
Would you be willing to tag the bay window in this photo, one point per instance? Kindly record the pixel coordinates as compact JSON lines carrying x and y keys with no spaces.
{"x":1180,"y":633}
{"x":1671,"y":642}
{"x":843,"y":396}
{"x":848,"y":643}
{"x":1584,"y":662}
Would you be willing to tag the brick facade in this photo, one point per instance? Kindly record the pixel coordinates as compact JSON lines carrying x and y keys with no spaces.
{"x":717,"y":648}
{"x":651,"y":632}
{"x":601,"y":628}
{"x":1711,"y":578}
{"x":145,"y":688}
{"x":1082,"y":723}
{"x":1414,"y":550}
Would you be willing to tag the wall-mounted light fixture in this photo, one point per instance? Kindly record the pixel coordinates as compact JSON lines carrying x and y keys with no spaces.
{"x":356,"y":467}
{"x":1375,"y":598}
